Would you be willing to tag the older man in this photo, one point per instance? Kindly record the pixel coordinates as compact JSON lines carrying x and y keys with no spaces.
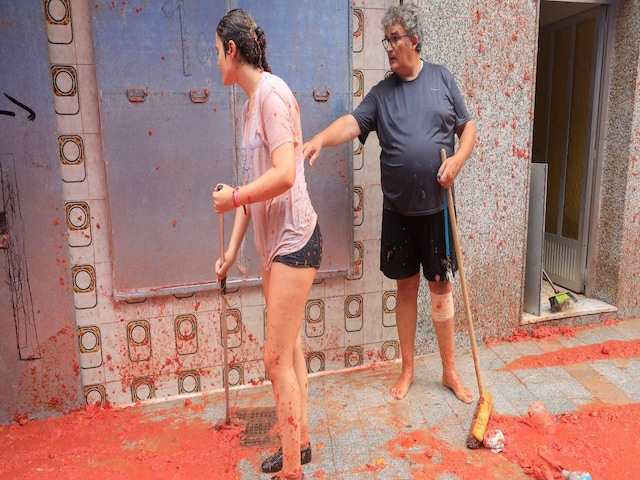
{"x":416,"y":111}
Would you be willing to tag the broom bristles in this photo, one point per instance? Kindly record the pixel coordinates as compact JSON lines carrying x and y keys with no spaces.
{"x":480,"y":421}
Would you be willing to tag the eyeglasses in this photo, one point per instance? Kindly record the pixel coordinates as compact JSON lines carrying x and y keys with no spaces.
{"x":393,"y":41}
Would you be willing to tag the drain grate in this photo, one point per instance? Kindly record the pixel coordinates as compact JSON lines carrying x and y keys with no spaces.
{"x":260,"y":423}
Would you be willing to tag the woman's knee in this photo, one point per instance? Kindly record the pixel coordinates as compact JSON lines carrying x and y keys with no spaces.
{"x":274,"y":363}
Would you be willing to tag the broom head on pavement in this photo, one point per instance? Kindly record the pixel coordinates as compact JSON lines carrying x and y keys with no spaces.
{"x":480,"y":421}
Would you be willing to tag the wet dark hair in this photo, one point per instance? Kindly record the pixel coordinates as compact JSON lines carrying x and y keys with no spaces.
{"x":250,"y":40}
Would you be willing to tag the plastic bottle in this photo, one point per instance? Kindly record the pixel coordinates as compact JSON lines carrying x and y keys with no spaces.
{"x":576,"y":475}
{"x":540,"y":418}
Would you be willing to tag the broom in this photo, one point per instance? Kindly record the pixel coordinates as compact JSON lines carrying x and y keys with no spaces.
{"x":485,"y":403}
{"x":559,"y":300}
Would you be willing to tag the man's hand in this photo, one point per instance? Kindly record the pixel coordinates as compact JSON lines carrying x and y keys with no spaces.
{"x":448,"y":171}
{"x":312,"y":149}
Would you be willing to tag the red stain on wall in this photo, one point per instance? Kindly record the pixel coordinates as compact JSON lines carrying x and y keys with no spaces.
{"x":50,"y":384}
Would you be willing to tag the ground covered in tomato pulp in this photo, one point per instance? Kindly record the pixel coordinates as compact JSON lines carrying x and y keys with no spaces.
{"x":143,"y":443}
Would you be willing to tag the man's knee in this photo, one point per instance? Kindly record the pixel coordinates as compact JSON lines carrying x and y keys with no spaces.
{"x":442,"y":307}
{"x":409,"y":286}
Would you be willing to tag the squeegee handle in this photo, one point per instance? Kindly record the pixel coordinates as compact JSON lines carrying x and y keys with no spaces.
{"x":223,"y":318}
{"x":223,"y":281}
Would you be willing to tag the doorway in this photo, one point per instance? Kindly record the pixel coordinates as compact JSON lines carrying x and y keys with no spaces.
{"x":566,"y":134}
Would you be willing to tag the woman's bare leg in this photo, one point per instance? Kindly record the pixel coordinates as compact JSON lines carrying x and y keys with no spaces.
{"x":286,"y":290}
{"x":300,"y":366}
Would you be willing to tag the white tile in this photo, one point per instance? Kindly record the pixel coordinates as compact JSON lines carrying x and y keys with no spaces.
{"x":317,"y":289}
{"x":313,"y":344}
{"x":253,"y":338}
{"x":94,"y":166}
{"x":92,"y":376}
{"x":87,"y":318}
{"x":183,"y":304}
{"x":211,"y":378}
{"x":163,"y":345}
{"x":118,"y":393}
{"x":75,"y":191}
{"x":159,"y":306}
{"x":68,"y":124}
{"x":114,"y":348}
{"x":210,"y":351}
{"x":88,"y":93}
{"x":61,"y":53}
{"x":99,"y":231}
{"x":372,"y":353}
{"x":372,"y":317}
{"x":206,"y":301}
{"x":166,"y":385}
{"x":81,"y":256}
{"x":132,"y":310}
{"x":252,"y":296}
{"x":254,"y":372}
{"x":373,"y":76}
{"x":334,"y":323}
{"x":375,"y":56}
{"x":334,"y":359}
{"x":334,"y":286}
{"x":81,"y":22}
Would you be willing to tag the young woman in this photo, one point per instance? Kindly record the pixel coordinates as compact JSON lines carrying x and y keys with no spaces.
{"x":274,"y":196}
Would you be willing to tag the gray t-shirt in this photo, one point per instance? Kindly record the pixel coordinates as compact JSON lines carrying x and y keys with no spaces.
{"x":414,"y":120}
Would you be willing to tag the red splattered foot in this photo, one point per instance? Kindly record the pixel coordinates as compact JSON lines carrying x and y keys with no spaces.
{"x":401,"y":387}
{"x":452,"y":382}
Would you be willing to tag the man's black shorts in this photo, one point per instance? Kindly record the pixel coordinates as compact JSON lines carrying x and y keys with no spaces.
{"x":410,"y":242}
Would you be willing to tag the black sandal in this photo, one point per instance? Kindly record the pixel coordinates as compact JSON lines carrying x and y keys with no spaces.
{"x":274,"y":462}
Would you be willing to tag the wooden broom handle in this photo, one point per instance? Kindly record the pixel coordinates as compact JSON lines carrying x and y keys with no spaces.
{"x":463,"y":281}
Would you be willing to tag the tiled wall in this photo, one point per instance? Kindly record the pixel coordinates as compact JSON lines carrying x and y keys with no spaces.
{"x":164,"y":346}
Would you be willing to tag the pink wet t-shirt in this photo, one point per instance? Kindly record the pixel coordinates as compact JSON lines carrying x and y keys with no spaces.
{"x":271,"y":118}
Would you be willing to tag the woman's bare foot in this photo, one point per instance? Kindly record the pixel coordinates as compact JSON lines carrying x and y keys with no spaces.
{"x":401,"y":387}
{"x":452,"y":381}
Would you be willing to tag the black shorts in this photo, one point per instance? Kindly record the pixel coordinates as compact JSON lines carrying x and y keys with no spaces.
{"x":410,"y":242}
{"x":308,"y":256}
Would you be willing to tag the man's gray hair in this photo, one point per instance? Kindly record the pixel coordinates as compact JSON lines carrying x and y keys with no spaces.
{"x":410,"y":16}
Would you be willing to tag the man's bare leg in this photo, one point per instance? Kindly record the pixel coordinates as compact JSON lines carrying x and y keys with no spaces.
{"x":445,"y":330}
{"x":406,"y":320}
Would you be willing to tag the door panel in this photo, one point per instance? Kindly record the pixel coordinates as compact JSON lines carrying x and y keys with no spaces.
{"x":566,"y":106}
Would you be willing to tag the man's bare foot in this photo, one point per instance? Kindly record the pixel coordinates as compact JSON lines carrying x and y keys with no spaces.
{"x":401,"y":387}
{"x":452,"y":381}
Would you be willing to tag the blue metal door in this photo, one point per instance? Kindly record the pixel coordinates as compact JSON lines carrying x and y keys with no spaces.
{"x":170,"y":130}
